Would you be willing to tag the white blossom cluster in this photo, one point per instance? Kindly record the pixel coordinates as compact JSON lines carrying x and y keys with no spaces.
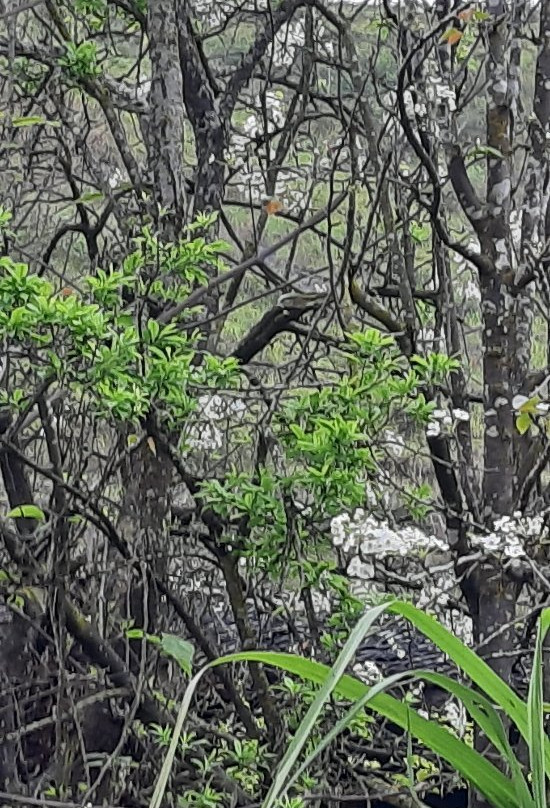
{"x":206,"y":435}
{"x":509,"y":536}
{"x":438,"y":91}
{"x":217,"y":406}
{"x":115,"y":178}
{"x":368,"y":672}
{"x":455,"y":715}
{"x":442,"y":418}
{"x":442,"y":582}
{"x":452,"y":713}
{"x":368,"y":536}
{"x":418,"y":556}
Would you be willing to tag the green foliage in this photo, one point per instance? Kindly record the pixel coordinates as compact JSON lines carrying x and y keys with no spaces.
{"x":80,"y":61}
{"x":332,"y":447}
{"x":102,"y":347}
{"x":170,"y":645}
{"x":419,"y":232}
{"x":523,"y":423}
{"x":486,"y":701}
{"x":5,"y":219}
{"x":486,"y":151}
{"x":416,"y":500}
{"x":28,"y":74}
{"x":176,"y":648}
{"x":27,"y":512}
{"x":207,"y":798}
{"x":435,"y":366}
{"x":33,"y":120}
{"x":243,"y":759}
{"x":94,"y":12}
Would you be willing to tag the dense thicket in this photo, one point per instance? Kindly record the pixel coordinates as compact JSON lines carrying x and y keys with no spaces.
{"x":274,"y":297}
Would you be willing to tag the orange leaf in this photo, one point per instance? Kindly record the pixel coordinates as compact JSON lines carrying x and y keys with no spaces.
{"x":452,"y":36}
{"x":272,"y":207}
{"x":466,"y":15}
{"x":67,"y":291}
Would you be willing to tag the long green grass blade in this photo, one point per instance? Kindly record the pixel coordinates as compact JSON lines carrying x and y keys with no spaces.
{"x":499,"y":790}
{"x":489,"y":722}
{"x":332,"y":677}
{"x":483,"y":775}
{"x":536,"y":735}
{"x":474,"y":667}
{"x":160,"y":787}
{"x":345,"y":721}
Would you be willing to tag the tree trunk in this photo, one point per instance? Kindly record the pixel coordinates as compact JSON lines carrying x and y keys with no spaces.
{"x":165,"y":133}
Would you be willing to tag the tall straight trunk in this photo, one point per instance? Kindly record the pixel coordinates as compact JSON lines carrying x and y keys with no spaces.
{"x":147,"y":474}
{"x":165,"y":132}
{"x":501,"y":361}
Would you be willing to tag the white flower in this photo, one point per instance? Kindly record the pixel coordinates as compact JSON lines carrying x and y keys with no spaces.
{"x":455,"y":716}
{"x":115,"y":178}
{"x":514,"y":550}
{"x":461,"y":415}
{"x":433,"y":429}
{"x":144,"y":88}
{"x":250,"y":126}
{"x":368,"y":671}
{"x":396,"y":444}
{"x":507,"y":538}
{"x":472,"y":291}
{"x":519,"y":401}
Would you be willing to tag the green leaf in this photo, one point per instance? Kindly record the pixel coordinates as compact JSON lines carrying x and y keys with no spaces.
{"x":280,"y":781}
{"x":523,"y":423}
{"x":160,"y":787}
{"x":419,"y":232}
{"x":472,"y":665}
{"x":346,"y":721}
{"x":536,"y":736}
{"x":452,"y":36}
{"x":522,"y":404}
{"x":90,"y":196}
{"x":33,"y":120}
{"x":27,"y":512}
{"x":486,"y":151}
{"x":135,"y":634}
{"x":180,"y":650}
